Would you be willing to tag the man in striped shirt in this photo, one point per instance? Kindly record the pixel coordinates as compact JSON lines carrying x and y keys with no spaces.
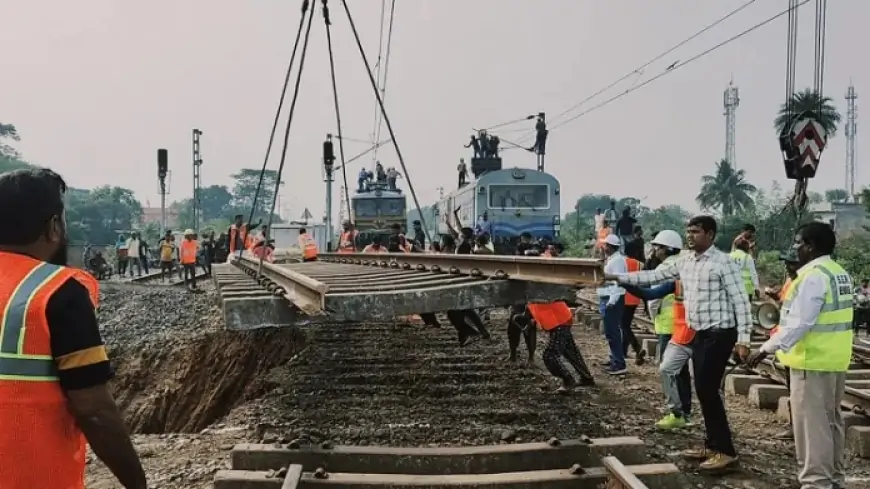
{"x":717,"y":307}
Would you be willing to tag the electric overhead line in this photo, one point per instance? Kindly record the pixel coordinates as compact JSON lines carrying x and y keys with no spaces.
{"x":386,"y":72}
{"x":638,"y":71}
{"x":677,"y":66}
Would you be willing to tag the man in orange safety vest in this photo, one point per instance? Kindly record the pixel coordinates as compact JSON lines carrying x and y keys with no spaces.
{"x":307,"y":245}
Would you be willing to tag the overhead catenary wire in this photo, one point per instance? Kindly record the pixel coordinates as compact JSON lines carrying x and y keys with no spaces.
{"x":363,"y":153}
{"x":287,"y":131}
{"x":305,"y":6}
{"x":377,"y":113}
{"x":386,"y":117}
{"x":386,"y":73}
{"x":676,"y":67}
{"x":638,"y":70}
{"x":328,"y":24}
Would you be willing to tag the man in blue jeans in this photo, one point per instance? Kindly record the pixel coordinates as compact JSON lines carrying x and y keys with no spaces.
{"x":612,"y":301}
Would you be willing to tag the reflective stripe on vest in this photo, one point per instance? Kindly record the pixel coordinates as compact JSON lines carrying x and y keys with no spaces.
{"x":552,"y":315}
{"x":741,"y":257}
{"x":664,"y":320}
{"x":783,"y":293}
{"x":310,"y":249}
{"x":633,"y":266}
{"x":827,"y":347}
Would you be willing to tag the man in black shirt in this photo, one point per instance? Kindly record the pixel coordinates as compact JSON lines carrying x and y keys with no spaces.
{"x":625,"y":228}
{"x":519,"y":323}
{"x":419,"y":244}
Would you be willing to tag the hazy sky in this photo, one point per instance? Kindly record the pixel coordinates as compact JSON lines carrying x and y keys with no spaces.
{"x":96,"y":86}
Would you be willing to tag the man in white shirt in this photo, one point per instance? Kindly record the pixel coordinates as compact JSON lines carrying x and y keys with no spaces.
{"x":599,"y":220}
{"x":133,"y":254}
{"x":717,"y":308}
{"x":610,"y":215}
{"x":612,"y":298}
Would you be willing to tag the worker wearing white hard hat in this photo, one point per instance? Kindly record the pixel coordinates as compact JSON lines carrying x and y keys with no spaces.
{"x":612,"y":301}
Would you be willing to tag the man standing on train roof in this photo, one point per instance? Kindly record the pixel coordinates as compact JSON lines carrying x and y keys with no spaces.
{"x":611,"y":215}
{"x":54,"y":395}
{"x":361,"y":180}
{"x":462,"y":169}
{"x":815,"y":342}
{"x":484,"y":225}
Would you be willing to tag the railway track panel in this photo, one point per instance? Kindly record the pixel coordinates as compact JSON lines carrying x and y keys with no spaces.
{"x":366,"y":287}
{"x":587,"y":463}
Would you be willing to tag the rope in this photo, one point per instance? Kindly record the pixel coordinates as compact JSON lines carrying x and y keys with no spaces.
{"x":386,"y":117}
{"x":676,"y":67}
{"x":638,"y":71}
{"x":376,"y":113}
{"x":305,"y":6}
{"x":287,"y":130}
{"x":386,"y":71}
{"x":328,"y":23}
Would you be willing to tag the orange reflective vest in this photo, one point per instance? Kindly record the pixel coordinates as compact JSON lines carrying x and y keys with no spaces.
{"x":41,"y":443}
{"x":345,"y":242}
{"x":188,"y":252}
{"x":264,"y":252}
{"x":549,"y":316}
{"x":309,"y":250}
{"x":234,"y":231}
{"x":602,"y":237}
{"x":683,"y":334}
{"x":783,"y":292}
{"x":633,"y":266}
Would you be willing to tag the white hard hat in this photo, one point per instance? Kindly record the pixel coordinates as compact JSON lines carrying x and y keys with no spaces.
{"x":189,"y":232}
{"x":612,"y":240}
{"x":669,"y":238}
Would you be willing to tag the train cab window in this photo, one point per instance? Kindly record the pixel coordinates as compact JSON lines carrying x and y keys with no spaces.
{"x":392,"y":207}
{"x":519,"y":196}
{"x":365,"y":208}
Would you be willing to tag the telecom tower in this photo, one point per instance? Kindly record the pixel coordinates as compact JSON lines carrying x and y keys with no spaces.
{"x":851,"y":131}
{"x":731,"y":101}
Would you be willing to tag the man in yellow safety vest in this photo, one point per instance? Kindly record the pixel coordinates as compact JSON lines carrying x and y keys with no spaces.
{"x":740,"y":254}
{"x":815,"y":342}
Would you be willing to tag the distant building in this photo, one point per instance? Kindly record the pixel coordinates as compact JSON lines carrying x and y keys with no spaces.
{"x":845,"y":217}
{"x":154,"y":214}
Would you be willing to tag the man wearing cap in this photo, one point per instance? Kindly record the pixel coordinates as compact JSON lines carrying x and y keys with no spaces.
{"x":187,"y":254}
{"x":612,"y":301}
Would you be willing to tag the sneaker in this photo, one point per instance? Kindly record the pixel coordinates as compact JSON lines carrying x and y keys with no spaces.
{"x":671,"y":422}
{"x":640,"y":357}
{"x":605,"y":363}
{"x":702,"y":453}
{"x":784,"y":435}
{"x":718,"y":461}
{"x":616,"y":371}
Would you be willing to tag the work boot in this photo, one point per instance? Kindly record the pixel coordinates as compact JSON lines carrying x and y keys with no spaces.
{"x":640,"y":357}
{"x":671,"y":422}
{"x":702,"y":453}
{"x":784,"y":435}
{"x":717,"y":462}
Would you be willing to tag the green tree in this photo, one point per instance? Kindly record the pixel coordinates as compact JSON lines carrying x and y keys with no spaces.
{"x":8,"y":132}
{"x":97,"y":216}
{"x":726,"y":190}
{"x":215,"y":201}
{"x":809,"y":100}
{"x":246,"y":187}
{"x":836,"y":195}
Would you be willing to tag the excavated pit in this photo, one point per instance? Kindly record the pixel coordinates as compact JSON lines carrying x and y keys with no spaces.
{"x":176,"y":369}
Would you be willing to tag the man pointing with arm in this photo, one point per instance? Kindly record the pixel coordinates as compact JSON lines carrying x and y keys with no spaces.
{"x":717,"y":308}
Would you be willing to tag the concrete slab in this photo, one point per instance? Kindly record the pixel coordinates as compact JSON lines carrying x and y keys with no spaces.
{"x":442,"y":460}
{"x":783,"y":409}
{"x":257,"y":312}
{"x":650,"y":346}
{"x":858,"y":440}
{"x":740,"y":384}
{"x":852,"y":419}
{"x":242,"y":479}
{"x":661,"y":476}
{"x":766,"y":396}
{"x":293,"y":478}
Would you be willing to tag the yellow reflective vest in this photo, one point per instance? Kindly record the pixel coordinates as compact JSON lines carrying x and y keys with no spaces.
{"x":740,"y":257}
{"x":827,"y":347}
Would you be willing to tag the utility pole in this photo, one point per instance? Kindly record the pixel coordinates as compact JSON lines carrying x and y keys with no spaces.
{"x":731,"y":101}
{"x":851,"y":132}
{"x":328,"y":178}
{"x":162,"y":173}
{"x":197,"y":181}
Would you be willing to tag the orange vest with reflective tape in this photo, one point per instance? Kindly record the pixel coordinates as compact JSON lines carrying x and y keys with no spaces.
{"x":345,"y":242}
{"x":782,"y":293}
{"x":188,"y":252}
{"x":309,"y":251}
{"x":552,"y":315}
{"x":41,"y":443}
{"x":602,"y":237}
{"x":633,"y":266}
{"x":683,"y":334}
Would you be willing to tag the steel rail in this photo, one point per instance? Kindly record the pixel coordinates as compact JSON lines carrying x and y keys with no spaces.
{"x":619,"y":476}
{"x":562,"y":271}
{"x":306,"y":293}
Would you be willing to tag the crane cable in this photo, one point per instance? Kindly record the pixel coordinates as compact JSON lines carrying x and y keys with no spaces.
{"x":386,"y":72}
{"x":328,"y":24}
{"x":676,"y":67}
{"x":639,"y":70}
{"x":386,"y":118}
{"x":376,"y":113}
{"x":287,"y":130}
{"x":305,"y":6}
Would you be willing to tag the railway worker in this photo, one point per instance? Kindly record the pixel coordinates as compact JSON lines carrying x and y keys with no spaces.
{"x":519,"y":324}
{"x":482,"y":245}
{"x":467,"y":322}
{"x":484,"y":225}
{"x":347,"y":239}
{"x":419,"y":244}
{"x":612,"y":302}
{"x":747,"y":235}
{"x":375,"y":246}
{"x":556,"y":319}
{"x":238,"y":236}
{"x":740,"y":255}
{"x":54,"y":395}
{"x":674,"y":335}
{"x":717,"y":308}
{"x":307,"y":245}
{"x":402,"y":245}
{"x":815,"y":342}
{"x":166,"y":250}
{"x":601,"y":240}
{"x":631,"y":303}
{"x":187,"y":255}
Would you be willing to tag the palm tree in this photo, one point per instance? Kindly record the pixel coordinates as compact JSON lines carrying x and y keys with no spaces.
{"x":726,"y":190}
{"x":809,"y":100}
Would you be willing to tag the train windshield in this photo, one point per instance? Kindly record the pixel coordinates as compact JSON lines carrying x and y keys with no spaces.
{"x":392,"y":207}
{"x":519,"y":196}
{"x":386,"y":207}
{"x":365,"y":208}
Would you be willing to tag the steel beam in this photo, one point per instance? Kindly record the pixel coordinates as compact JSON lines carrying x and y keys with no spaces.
{"x":304,"y":292}
{"x":566,"y":271}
